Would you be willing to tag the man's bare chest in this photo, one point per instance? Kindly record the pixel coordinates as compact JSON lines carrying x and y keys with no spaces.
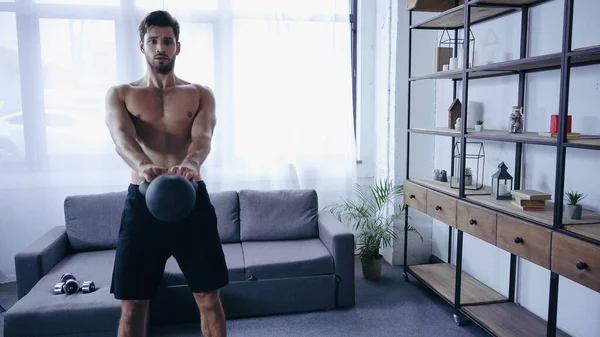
{"x":175,"y":108}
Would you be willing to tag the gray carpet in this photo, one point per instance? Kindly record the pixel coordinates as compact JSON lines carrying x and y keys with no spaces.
{"x":390,"y":307}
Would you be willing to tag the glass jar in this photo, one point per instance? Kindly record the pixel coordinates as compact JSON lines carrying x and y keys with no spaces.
{"x":515,"y":121}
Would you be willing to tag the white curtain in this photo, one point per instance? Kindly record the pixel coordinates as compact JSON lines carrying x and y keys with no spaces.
{"x":280,"y":70}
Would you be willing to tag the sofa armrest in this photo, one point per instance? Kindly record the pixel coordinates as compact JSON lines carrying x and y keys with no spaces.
{"x":35,"y":260}
{"x":339,"y":240}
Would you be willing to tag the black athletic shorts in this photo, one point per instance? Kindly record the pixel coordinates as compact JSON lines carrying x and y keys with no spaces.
{"x":145,"y":244}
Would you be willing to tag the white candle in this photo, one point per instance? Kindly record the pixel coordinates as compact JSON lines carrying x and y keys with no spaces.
{"x":501,"y":189}
{"x":453,"y":63}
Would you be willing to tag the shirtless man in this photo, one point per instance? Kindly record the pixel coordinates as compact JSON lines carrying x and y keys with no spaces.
{"x":161,"y":123}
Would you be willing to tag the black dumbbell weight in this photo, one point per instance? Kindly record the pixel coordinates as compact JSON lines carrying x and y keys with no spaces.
{"x":88,"y":287}
{"x":69,"y":285}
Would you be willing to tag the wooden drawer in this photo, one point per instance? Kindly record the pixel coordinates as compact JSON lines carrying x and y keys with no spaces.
{"x":576,"y":260}
{"x":526,"y":240}
{"x":441,"y":207}
{"x":415,"y":196}
{"x":476,"y":221}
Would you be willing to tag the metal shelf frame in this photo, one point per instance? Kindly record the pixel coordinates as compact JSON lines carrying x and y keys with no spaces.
{"x":563,"y":61}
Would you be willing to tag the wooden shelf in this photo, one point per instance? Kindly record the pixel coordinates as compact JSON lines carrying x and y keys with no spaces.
{"x":585,"y":55}
{"x":445,"y":187}
{"x":545,"y":217}
{"x":441,"y":277}
{"x":505,"y":136}
{"x":589,"y":231}
{"x":457,"y":75}
{"x":510,"y":2}
{"x":439,"y":131}
{"x":509,"y":319}
{"x":529,"y":64}
{"x":455,"y":18}
{"x":585,"y":141}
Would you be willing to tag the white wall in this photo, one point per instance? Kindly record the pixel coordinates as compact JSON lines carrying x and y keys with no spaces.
{"x":365,"y":88}
{"x":382,"y":79}
{"x":496,"y":41}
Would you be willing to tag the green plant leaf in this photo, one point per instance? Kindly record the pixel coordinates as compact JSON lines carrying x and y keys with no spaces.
{"x":367,"y":214}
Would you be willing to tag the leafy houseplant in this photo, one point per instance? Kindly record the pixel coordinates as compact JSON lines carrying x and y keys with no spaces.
{"x":468,"y":177}
{"x":372,"y":218}
{"x":479,"y":125}
{"x":573,"y":210}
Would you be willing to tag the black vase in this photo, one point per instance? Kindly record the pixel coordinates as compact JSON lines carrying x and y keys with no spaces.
{"x":443,"y":176}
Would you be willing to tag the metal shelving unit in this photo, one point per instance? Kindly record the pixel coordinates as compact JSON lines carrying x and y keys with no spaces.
{"x":495,"y":313}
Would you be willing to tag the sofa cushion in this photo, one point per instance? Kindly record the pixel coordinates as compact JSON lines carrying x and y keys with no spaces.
{"x":41,"y":312}
{"x":278,"y":215}
{"x":93,"y":221}
{"x":233,"y":257}
{"x":227,"y":208}
{"x":278,"y":259}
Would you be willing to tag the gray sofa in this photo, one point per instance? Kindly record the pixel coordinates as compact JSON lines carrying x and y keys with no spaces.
{"x":283,"y":255}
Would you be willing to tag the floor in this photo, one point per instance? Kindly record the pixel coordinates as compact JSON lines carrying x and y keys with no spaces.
{"x":389,"y":307}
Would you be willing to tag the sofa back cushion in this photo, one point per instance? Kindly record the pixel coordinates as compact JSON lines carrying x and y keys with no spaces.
{"x":93,"y":221}
{"x":227,"y":208}
{"x":278,"y":215}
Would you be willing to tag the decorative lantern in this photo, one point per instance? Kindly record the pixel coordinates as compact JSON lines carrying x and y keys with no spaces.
{"x":474,"y":165}
{"x":500,"y":183}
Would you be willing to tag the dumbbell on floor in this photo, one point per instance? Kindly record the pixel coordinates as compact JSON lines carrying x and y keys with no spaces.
{"x":69,"y":285}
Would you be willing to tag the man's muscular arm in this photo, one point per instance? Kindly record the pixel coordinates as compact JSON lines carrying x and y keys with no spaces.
{"x":202,"y":132}
{"x":123,"y":133}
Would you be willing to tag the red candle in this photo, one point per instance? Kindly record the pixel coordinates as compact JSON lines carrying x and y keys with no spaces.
{"x":554,"y":124}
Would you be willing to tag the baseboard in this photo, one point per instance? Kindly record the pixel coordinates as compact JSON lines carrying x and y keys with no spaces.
{"x":8,"y":287}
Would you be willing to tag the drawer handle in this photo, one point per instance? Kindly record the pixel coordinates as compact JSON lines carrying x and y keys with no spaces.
{"x":519,"y":240}
{"x":412,"y":196}
{"x":438,"y":207}
{"x":473,"y":222}
{"x":582,"y":265}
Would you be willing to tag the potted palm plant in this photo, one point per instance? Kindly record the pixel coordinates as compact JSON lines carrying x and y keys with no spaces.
{"x":371,"y":215}
{"x":573,"y":210}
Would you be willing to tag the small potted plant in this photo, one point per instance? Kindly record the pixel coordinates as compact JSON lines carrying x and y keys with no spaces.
{"x":573,"y":210}
{"x":479,"y":125}
{"x":468,"y":177}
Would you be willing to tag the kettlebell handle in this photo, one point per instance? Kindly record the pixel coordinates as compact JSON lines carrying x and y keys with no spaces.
{"x":144,"y":186}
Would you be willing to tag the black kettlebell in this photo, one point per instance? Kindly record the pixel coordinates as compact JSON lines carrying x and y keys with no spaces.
{"x":169,"y":197}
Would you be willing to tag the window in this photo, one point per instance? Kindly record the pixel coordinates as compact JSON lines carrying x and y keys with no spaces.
{"x":293,"y":7}
{"x":11,"y":126}
{"x":79,"y":65}
{"x":311,"y":101}
{"x":81,"y":2}
{"x":226,"y":45}
{"x":14,"y":120}
{"x":179,"y":4}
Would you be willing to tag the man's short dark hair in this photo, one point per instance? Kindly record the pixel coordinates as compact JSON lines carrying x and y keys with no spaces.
{"x":159,"y":19}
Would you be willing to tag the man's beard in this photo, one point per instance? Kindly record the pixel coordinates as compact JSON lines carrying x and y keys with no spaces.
{"x":162,"y":68}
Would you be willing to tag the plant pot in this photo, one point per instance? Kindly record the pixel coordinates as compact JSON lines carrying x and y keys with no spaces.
{"x":478,"y":128}
{"x":468,"y":180}
{"x":573,"y":211}
{"x":371,"y":268}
